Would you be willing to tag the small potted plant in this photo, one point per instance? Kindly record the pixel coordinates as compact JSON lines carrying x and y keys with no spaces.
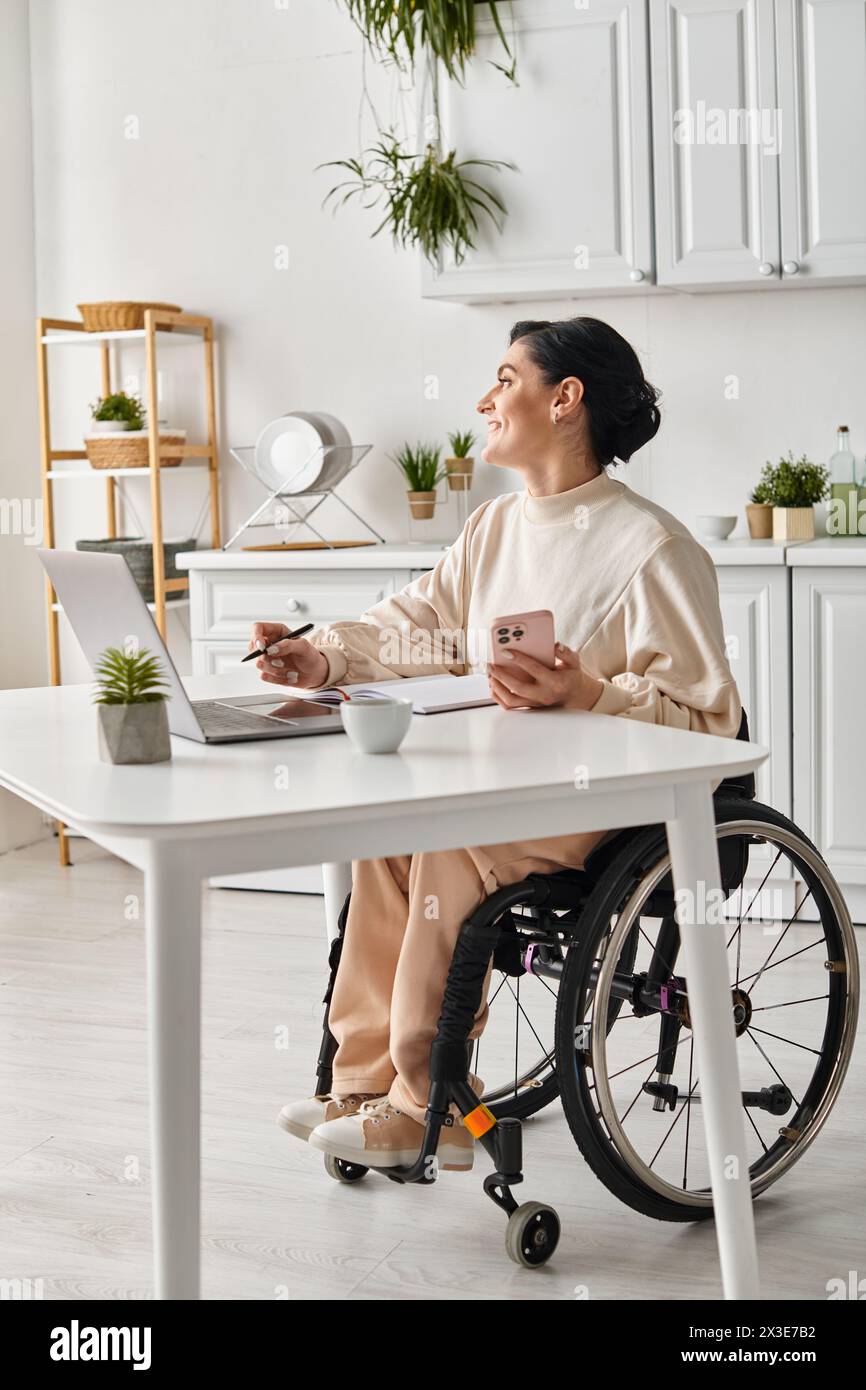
{"x":118,"y":437}
{"x":795,"y":485}
{"x":423,"y":472}
{"x":458,"y":466}
{"x":131,"y":695}
{"x":759,"y":510}
{"x":117,"y":412}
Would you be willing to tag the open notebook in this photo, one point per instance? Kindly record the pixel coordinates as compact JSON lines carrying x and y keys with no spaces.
{"x":429,"y":694}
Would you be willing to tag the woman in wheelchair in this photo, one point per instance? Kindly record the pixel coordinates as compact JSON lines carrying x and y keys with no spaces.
{"x":637,"y":615}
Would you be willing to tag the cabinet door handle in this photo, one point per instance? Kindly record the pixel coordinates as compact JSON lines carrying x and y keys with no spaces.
{"x":636,"y":276}
{"x":766,"y":268}
{"x":791,"y":267}
{"x":294,"y":606}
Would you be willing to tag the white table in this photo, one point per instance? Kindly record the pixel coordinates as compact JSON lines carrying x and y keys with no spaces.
{"x":477,"y":776}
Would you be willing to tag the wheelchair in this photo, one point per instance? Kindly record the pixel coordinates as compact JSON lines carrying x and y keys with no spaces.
{"x":587,"y":1004}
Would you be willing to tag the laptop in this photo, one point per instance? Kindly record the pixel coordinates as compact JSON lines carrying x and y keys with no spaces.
{"x":105,"y":607}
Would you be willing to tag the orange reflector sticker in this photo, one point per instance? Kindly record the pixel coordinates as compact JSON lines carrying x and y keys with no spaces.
{"x":479,"y":1121}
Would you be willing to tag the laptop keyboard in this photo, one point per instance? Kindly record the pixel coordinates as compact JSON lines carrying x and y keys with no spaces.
{"x":227,"y":719}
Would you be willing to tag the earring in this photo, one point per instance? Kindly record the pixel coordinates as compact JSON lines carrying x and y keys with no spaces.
{"x":556,"y":417}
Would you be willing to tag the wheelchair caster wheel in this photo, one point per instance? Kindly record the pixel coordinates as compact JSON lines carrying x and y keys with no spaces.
{"x":344,"y":1171}
{"x":532,"y":1234}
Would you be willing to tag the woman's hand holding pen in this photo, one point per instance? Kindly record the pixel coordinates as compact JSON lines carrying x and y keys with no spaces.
{"x":520,"y":682}
{"x":289,"y":661}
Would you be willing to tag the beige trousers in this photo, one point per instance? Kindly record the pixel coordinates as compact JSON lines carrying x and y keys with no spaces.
{"x":403,"y":923}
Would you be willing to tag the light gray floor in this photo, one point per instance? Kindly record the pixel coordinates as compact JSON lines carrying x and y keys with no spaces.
{"x":74,"y":1171}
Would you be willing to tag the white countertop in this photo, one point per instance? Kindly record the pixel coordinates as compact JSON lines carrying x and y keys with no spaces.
{"x":392,"y":555}
{"x":823,"y":550}
{"x":744,"y":551}
{"x":834,"y":551}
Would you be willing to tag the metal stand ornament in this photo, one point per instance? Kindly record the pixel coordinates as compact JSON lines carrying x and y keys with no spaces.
{"x":296,"y":507}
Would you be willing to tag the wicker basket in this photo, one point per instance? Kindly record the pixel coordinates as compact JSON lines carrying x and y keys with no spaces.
{"x":114,"y":314}
{"x":128,"y":448}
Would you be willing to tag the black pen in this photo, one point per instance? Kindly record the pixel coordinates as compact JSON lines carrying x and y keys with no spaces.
{"x":263,"y":651}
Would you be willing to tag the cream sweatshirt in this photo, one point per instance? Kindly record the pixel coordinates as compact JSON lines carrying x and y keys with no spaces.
{"x":629,"y":587}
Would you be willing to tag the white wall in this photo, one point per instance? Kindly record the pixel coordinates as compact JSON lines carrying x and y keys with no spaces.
{"x":22,"y":642}
{"x":237,"y":102}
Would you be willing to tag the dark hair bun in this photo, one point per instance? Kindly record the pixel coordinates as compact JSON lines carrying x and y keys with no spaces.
{"x":635,"y":425}
{"x":621,"y":404}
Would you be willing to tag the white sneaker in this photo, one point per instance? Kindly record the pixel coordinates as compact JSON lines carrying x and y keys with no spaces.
{"x":378,"y":1135}
{"x":301,"y":1117}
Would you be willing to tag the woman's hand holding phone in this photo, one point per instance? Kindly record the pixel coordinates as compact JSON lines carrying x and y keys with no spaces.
{"x":293,"y":662}
{"x":518,"y":681}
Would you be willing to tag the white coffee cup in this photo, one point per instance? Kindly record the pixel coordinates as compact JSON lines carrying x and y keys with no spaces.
{"x":376,"y":726}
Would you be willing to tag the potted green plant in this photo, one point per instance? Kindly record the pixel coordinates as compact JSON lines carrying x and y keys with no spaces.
{"x":759,"y":512}
{"x":458,"y":466}
{"x":794,"y":486}
{"x":117,"y":411}
{"x":430,"y":199}
{"x":423,"y":472}
{"x":397,"y":29}
{"x":130,"y":694}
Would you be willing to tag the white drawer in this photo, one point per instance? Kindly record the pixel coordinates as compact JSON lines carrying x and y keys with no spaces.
{"x":219,"y":658}
{"x":224,"y":603}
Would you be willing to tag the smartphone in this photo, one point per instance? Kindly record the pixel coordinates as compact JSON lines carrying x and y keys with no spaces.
{"x":530,"y":633}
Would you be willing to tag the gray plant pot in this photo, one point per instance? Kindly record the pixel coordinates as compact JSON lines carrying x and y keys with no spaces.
{"x":134,"y":733}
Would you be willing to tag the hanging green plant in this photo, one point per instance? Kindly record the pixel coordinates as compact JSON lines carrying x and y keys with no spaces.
{"x":430,"y":201}
{"x":398,"y":29}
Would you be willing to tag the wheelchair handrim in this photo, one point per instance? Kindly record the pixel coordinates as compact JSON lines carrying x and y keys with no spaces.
{"x":626,"y":921}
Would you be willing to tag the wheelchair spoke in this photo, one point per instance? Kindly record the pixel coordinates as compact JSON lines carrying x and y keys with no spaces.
{"x":754,"y":897}
{"x":766,"y":964}
{"x":754,"y":1127}
{"x":631,"y":1067}
{"x":640,"y":1092}
{"x":687,"y":1105}
{"x":778,"y":1036}
{"x":813,"y":998}
{"x":756,"y":974}
{"x":688,"y":1118}
{"x":522,"y":1011}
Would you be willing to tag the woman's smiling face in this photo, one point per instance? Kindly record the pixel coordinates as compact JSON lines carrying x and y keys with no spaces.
{"x":519,"y":412}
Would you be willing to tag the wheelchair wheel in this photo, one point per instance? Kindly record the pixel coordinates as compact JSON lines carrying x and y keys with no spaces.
{"x":628,"y":1075}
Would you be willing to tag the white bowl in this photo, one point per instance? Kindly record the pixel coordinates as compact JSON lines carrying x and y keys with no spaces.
{"x":376,"y":726}
{"x":716,"y":528}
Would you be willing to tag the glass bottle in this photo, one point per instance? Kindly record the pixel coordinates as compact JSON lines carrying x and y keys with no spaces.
{"x":842,"y":520}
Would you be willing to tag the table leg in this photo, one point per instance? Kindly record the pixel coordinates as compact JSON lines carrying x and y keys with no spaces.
{"x":338,"y":882}
{"x":173,"y":929}
{"x":695,"y":863}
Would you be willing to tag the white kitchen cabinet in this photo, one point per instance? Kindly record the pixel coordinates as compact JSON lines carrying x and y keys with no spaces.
{"x":716,"y":204}
{"x":821,"y":47}
{"x":829,"y":680}
{"x":756,"y":614}
{"x":577,"y":128}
